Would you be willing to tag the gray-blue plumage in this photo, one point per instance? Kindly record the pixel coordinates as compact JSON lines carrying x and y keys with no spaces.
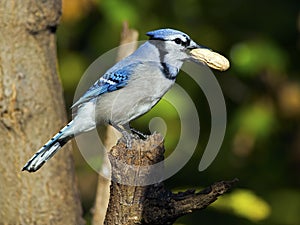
{"x":126,"y":91}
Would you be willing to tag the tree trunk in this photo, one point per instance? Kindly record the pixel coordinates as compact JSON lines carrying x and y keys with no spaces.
{"x":31,"y":111}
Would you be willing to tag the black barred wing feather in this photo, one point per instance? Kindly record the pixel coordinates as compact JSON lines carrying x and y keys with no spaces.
{"x":107,"y":83}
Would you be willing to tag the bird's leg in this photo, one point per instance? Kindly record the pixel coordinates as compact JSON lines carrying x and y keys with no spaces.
{"x":127,"y":136}
{"x":139,"y":133}
{"x":135,"y":131}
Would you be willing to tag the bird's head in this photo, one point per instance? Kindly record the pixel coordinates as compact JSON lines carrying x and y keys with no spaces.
{"x":175,"y":46}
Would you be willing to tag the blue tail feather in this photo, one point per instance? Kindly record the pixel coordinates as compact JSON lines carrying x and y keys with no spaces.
{"x":48,"y":150}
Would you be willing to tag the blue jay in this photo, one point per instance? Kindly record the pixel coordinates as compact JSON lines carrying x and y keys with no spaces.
{"x":126,"y":91}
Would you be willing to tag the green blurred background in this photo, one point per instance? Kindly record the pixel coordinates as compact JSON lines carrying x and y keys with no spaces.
{"x":261,"y":89}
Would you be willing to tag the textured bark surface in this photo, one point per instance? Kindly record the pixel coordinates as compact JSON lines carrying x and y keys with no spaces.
{"x":151,"y":204}
{"x":102,"y":196}
{"x":31,"y":111}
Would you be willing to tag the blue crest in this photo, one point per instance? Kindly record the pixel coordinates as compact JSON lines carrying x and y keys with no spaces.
{"x":166,"y":34}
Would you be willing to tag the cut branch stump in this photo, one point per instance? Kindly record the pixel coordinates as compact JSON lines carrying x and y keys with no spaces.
{"x":131,"y":202}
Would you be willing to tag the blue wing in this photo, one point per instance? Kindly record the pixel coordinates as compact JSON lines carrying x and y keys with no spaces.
{"x":110,"y":81}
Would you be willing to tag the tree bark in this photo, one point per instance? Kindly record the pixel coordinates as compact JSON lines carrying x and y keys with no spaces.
{"x":31,"y":111}
{"x":150,"y":204}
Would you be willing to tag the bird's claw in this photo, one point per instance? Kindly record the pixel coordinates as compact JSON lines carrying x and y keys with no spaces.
{"x":127,"y":138}
{"x":139,"y":133}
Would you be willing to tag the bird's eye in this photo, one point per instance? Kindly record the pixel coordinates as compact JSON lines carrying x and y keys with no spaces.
{"x":178,"y":41}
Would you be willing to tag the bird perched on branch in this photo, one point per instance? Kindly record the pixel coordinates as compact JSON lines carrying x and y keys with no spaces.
{"x":130,"y":88}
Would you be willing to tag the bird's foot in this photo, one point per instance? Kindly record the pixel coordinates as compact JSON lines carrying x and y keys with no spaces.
{"x":139,"y":133}
{"x":127,"y":137}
